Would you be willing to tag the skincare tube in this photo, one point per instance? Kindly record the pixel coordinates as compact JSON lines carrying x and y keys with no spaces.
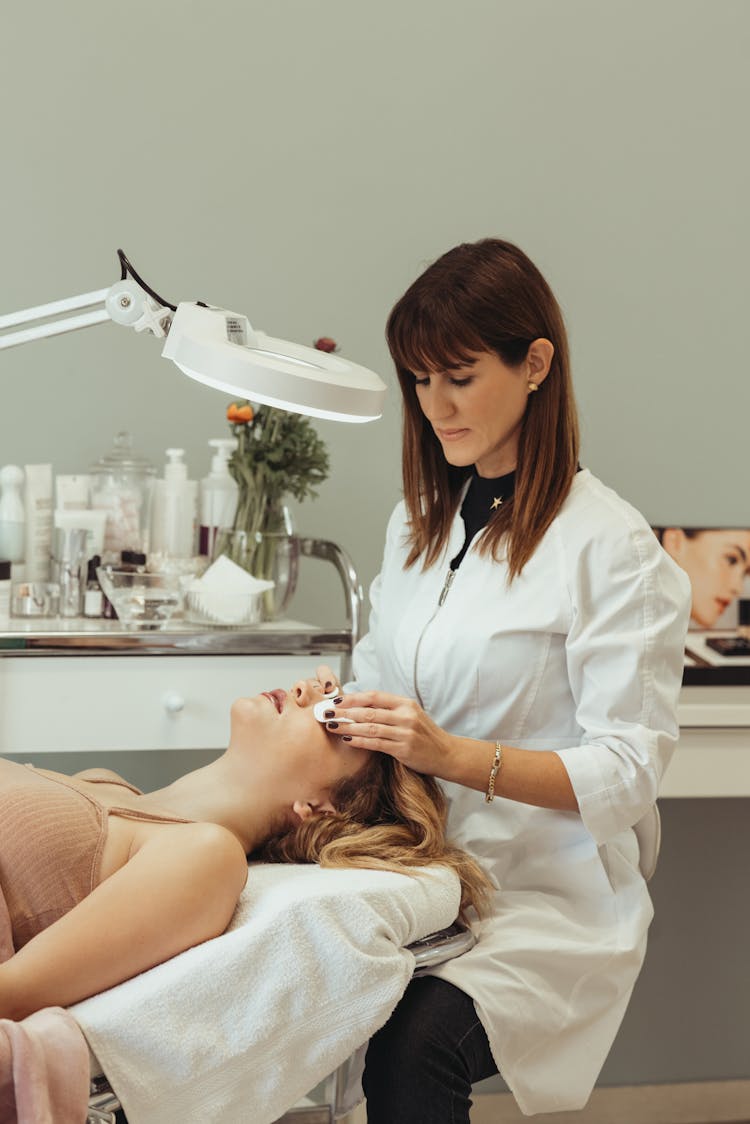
{"x":72,"y":492}
{"x":93,"y":522}
{"x":12,"y":514}
{"x":38,"y":505}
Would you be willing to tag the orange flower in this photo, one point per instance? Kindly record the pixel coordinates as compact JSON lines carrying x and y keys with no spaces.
{"x":239,"y":413}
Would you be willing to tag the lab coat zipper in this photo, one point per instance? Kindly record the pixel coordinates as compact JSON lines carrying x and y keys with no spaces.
{"x":441,"y":600}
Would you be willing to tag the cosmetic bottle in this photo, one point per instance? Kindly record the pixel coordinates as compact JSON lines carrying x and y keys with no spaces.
{"x":69,"y":568}
{"x":133,"y":561}
{"x":218,"y":495}
{"x":72,"y":493}
{"x":38,"y":509}
{"x":173,"y":511}
{"x":92,"y":522}
{"x":12,"y":514}
{"x":4,"y":593}
{"x":93,"y":598}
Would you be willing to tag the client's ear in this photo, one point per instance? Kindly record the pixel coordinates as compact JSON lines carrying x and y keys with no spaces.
{"x":303,"y":809}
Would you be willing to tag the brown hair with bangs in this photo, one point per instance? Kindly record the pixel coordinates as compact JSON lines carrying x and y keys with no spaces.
{"x":388,"y":818}
{"x":484,"y":296}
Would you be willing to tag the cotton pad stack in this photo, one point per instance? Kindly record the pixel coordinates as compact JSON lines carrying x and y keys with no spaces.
{"x":226,"y":595}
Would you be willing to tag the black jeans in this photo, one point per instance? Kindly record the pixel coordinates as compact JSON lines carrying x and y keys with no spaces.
{"x":421,"y":1065}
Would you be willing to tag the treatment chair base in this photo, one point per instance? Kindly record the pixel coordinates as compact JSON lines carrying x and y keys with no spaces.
{"x":103,"y":1104}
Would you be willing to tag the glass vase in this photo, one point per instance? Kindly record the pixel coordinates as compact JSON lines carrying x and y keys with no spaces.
{"x":269,"y":554}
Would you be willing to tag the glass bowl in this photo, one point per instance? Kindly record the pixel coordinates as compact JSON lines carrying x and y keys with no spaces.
{"x":141,"y":600}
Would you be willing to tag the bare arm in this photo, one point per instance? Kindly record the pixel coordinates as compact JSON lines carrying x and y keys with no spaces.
{"x":400,"y":727}
{"x":530,"y":776}
{"x":179,"y":889}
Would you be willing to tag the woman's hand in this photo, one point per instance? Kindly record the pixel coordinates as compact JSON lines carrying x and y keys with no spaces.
{"x":326,"y":678}
{"x":397,"y":726}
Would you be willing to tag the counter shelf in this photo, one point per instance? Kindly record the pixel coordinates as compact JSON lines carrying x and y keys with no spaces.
{"x":101,"y":638}
{"x":39,"y":636}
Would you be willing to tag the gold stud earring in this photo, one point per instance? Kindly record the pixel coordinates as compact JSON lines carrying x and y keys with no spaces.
{"x":533,"y":386}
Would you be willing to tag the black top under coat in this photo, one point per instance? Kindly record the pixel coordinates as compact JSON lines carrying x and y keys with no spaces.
{"x":477,"y":509}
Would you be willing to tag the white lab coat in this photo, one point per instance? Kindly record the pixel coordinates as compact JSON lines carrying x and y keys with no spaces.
{"x":583,"y":654}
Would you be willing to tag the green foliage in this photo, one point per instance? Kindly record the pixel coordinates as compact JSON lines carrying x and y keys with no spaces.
{"x":278,"y":454}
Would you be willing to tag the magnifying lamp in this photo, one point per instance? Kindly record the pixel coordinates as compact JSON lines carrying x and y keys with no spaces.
{"x":215,"y":347}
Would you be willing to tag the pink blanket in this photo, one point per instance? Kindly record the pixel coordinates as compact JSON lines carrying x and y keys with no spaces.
{"x":44,"y":1060}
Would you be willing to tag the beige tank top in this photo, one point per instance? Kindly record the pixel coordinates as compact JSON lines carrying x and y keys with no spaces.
{"x":52,"y":834}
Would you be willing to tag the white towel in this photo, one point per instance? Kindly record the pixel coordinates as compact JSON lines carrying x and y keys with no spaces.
{"x":311,"y":966}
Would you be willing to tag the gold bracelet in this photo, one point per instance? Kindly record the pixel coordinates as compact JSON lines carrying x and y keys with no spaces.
{"x":496,"y":764}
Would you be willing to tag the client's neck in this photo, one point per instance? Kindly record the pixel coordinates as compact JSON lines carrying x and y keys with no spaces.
{"x":224,"y":793}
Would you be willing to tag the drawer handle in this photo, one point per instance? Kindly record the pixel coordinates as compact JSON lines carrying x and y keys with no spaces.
{"x":173,"y":702}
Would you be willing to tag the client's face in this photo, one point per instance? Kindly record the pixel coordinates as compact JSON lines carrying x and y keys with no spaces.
{"x":290,"y":748}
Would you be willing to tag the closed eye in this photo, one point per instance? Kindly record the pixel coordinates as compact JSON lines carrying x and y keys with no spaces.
{"x":453,"y":381}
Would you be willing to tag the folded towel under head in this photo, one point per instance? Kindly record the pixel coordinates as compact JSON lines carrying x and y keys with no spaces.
{"x":312,"y":965}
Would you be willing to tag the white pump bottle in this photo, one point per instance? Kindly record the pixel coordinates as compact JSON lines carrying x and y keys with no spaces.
{"x":174,"y":509}
{"x":219,"y":494}
{"x":12,"y":514}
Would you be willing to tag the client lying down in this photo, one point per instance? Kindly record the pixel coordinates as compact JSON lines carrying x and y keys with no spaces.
{"x":102,"y":881}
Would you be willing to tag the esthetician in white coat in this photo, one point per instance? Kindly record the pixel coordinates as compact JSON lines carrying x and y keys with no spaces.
{"x":534,"y":666}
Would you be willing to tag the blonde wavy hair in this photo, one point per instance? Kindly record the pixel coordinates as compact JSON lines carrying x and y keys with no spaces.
{"x":388,"y":817}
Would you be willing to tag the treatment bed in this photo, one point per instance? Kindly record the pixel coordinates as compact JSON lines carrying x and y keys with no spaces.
{"x":244,"y":1026}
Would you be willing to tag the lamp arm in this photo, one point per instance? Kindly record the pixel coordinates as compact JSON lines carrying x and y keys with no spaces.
{"x":41,"y":325}
{"x":124,"y":302}
{"x":215,"y":347}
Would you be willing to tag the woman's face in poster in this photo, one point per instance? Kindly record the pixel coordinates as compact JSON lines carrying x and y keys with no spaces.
{"x":716,"y":563}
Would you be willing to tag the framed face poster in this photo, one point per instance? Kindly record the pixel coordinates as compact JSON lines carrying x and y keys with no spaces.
{"x":717,"y":561}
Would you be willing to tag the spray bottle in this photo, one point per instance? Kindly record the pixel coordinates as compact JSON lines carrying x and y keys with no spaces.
{"x":218,"y":495}
{"x":173,"y":512}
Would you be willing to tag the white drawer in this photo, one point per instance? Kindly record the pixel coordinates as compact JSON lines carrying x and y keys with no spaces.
{"x":52,"y":704}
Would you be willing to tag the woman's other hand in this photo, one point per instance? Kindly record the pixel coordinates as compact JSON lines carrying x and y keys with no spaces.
{"x":397,"y":726}
{"x":327,"y":679}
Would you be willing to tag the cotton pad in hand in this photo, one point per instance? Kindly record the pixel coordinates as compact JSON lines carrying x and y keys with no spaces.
{"x":322,"y":706}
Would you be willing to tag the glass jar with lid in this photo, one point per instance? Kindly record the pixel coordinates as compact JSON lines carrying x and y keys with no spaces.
{"x":122,"y":484}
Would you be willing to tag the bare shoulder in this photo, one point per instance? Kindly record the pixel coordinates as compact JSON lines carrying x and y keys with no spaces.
{"x":212,"y":843}
{"x":217,"y":866}
{"x":208,"y":850}
{"x":215,"y":838}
